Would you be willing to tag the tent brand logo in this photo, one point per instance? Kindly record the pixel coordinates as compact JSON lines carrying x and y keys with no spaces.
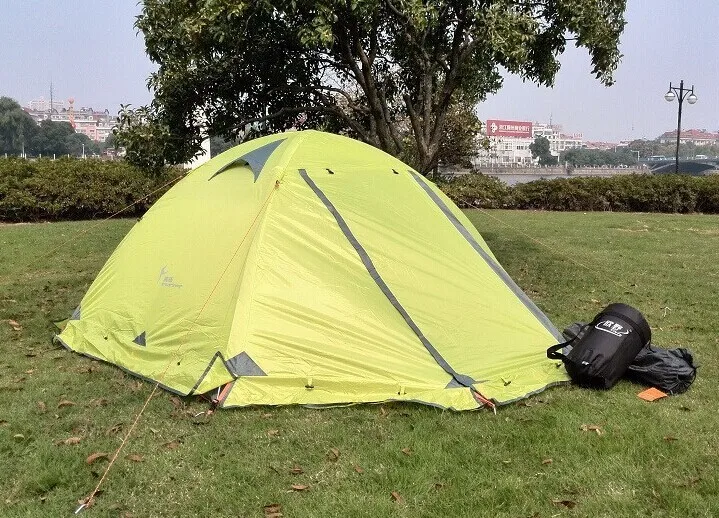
{"x":612,"y":328}
{"x":166,"y":280}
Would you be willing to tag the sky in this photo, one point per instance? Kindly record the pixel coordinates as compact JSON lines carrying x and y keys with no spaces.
{"x":90,"y":51}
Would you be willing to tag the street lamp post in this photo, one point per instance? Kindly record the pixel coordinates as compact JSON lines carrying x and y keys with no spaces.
{"x":679,"y":94}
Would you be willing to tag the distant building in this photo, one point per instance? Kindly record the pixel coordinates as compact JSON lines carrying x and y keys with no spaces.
{"x":509,"y":141}
{"x":97,"y":125}
{"x":43,"y":105}
{"x":692,"y":136}
{"x":604,"y":146}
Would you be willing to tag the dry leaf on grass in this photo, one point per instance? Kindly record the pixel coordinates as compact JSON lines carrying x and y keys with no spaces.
{"x":438,"y":485}
{"x":296,"y":470}
{"x":172,"y":445}
{"x":98,"y":402}
{"x":272,"y":511}
{"x":41,"y":406}
{"x":64,"y":403}
{"x":669,"y":438}
{"x":87,"y":369}
{"x":383,"y":411}
{"x":18,"y":436}
{"x":547,"y":461}
{"x":397,"y":497}
{"x":15,"y":325}
{"x":176,"y":401}
{"x":134,"y":457}
{"x":569,"y":504}
{"x":69,"y":441}
{"x":333,"y":454}
{"x":299,"y":487}
{"x":95,"y":457}
{"x":273,"y":433}
{"x":407,"y":451}
{"x":358,"y":469}
{"x":113,"y":429}
{"x":591,"y":428}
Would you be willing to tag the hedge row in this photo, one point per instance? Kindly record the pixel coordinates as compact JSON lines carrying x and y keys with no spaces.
{"x":70,"y":189}
{"x":626,"y":193}
{"x":67,"y":189}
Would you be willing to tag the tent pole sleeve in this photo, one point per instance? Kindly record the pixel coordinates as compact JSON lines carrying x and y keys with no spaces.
{"x":372,"y":270}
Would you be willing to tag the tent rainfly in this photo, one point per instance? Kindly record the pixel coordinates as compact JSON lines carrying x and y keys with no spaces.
{"x":309,"y":268}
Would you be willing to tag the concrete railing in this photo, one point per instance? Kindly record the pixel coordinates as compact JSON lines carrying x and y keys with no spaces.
{"x":549,"y":171}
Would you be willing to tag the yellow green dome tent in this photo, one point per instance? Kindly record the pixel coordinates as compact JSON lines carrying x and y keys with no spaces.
{"x":309,"y":268}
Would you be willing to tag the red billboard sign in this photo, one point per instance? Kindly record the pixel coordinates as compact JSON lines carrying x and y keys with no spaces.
{"x":500,"y":128}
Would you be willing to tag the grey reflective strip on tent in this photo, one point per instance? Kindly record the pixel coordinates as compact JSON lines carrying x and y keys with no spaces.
{"x":453,"y":384}
{"x":255,"y":159}
{"x":369,"y":265}
{"x":140,"y":339}
{"x":243,"y":365}
{"x":529,"y":304}
{"x":76,"y":314}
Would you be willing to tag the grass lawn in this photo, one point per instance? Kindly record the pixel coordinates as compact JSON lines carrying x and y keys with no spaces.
{"x":651,"y":459}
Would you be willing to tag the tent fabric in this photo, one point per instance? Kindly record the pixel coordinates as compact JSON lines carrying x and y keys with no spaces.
{"x":309,"y":268}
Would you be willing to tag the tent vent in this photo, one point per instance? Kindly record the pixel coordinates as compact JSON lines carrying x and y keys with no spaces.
{"x":140,"y":339}
{"x":255,"y":159}
{"x":243,"y":365}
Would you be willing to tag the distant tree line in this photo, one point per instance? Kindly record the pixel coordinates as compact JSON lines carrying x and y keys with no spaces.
{"x":620,"y":155}
{"x":19,"y":133}
{"x":648,"y":148}
{"x":582,"y":157}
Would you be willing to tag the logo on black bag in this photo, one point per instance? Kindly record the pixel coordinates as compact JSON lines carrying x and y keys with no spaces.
{"x":612,"y":328}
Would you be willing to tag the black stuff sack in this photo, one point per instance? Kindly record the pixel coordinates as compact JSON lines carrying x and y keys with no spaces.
{"x":607,"y":347}
{"x":670,"y":370}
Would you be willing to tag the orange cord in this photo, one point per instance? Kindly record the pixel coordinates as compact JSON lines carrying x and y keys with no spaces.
{"x":89,"y":500}
{"x":100,"y":222}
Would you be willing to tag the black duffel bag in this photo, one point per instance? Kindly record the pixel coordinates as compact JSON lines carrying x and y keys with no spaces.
{"x":609,"y":344}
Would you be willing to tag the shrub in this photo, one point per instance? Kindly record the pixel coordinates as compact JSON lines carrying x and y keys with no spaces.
{"x":634,"y":193}
{"x":67,"y":189}
{"x":476,"y":190}
{"x":70,"y":188}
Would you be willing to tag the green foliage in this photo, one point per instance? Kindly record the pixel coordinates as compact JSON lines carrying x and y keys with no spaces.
{"x":579,"y":157}
{"x":477,"y":190}
{"x":385,"y":71}
{"x":63,"y":189}
{"x":627,"y":193}
{"x":540,"y":149}
{"x":149,"y":143}
{"x":220,"y":145}
{"x":688,"y":150}
{"x":17,"y":128}
{"x":19,"y":132}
